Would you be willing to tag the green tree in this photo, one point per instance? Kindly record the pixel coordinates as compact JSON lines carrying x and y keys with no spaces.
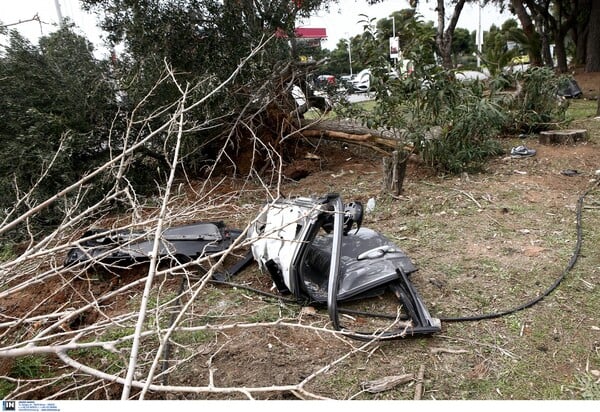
{"x":546,"y":22}
{"x":372,"y":46}
{"x":204,"y":41}
{"x":340,"y":57}
{"x":57,"y":106}
{"x":463,"y":46}
{"x":496,"y":54}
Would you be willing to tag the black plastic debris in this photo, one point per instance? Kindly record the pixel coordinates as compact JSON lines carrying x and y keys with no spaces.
{"x":570,"y":89}
{"x":123,"y":247}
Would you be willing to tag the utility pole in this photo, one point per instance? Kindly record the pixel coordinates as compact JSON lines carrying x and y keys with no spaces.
{"x":59,"y":13}
{"x":479,"y":36}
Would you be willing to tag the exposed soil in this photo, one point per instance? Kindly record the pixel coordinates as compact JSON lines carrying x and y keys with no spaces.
{"x":483,"y":243}
{"x":589,"y":83}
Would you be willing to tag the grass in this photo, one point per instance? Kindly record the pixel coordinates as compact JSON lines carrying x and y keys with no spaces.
{"x":7,"y":252}
{"x":581,"y":109}
{"x":28,"y":367}
{"x":101,"y":359}
{"x":587,"y":386}
{"x":194,"y":338}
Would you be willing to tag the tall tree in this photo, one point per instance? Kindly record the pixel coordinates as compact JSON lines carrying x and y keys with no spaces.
{"x":554,"y":19}
{"x":463,"y":44}
{"x":444,"y":35}
{"x":496,"y":53}
{"x":341,"y":57}
{"x":579,"y":18}
{"x":592,"y":63}
{"x":579,"y":30}
{"x":205,"y":41}
{"x":533,"y":38}
{"x":57,"y":107}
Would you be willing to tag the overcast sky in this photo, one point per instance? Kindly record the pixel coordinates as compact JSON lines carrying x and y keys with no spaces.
{"x":14,"y":11}
{"x":340,"y":22}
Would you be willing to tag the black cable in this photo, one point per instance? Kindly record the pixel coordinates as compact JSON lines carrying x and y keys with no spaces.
{"x":568,"y":268}
{"x":257,"y":291}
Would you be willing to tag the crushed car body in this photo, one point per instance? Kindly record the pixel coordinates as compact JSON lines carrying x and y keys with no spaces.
{"x":311,"y":249}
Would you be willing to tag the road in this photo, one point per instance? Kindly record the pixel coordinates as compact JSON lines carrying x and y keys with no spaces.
{"x":360,"y":97}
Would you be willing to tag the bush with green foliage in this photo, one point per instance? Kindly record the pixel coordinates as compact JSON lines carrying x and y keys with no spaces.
{"x":531,"y":99}
{"x":454,"y":124}
{"x":432,"y":99}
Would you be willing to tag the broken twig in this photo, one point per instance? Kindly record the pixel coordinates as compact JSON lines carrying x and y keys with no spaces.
{"x":470,"y":196}
{"x":419,"y":386}
{"x":448,"y":350}
{"x":385,"y":384}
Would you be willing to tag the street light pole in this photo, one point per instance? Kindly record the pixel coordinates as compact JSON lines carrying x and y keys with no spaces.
{"x":350,"y":52}
{"x":394,"y":36}
{"x":58,"y":12}
{"x":350,"y":55}
{"x":479,"y":36}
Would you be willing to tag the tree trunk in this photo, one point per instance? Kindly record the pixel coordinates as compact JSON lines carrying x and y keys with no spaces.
{"x":592,"y":63}
{"x":560,"y":53}
{"x":382,"y":141}
{"x":394,"y":171}
{"x":579,"y":30}
{"x":535,"y":56}
{"x":563,"y":136}
{"x":444,"y":36}
{"x":542,"y":29}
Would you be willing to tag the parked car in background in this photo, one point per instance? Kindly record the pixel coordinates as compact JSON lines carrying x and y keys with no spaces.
{"x":362,"y":82}
{"x":471,"y":75}
{"x":347,"y":77}
{"x":325,"y":80}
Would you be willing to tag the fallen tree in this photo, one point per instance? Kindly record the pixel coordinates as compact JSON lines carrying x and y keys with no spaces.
{"x":384,"y":141}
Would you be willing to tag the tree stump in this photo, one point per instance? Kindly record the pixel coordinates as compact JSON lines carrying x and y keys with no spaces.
{"x":394,"y":171}
{"x":568,"y":136}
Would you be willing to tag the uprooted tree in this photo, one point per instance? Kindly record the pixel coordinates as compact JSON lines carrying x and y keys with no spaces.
{"x":60,"y":96}
{"x":93,"y":346}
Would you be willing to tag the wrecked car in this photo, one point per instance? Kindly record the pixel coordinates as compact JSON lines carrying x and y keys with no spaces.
{"x":314,"y":248}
